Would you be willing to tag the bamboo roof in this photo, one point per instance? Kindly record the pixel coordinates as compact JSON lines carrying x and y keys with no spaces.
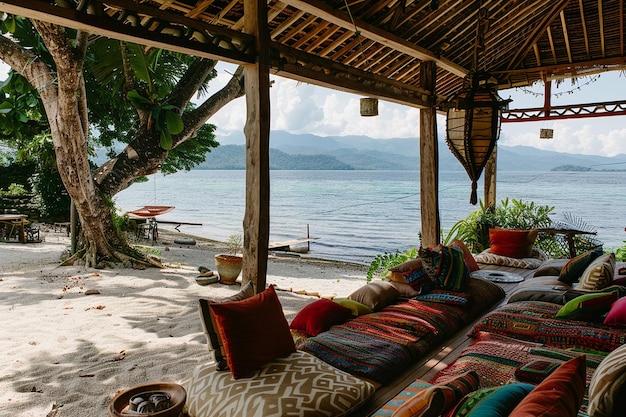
{"x":372,"y":48}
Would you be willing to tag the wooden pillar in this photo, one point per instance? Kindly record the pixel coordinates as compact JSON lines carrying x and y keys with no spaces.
{"x":429,"y":162}
{"x":256,"y":222}
{"x":490,"y":178}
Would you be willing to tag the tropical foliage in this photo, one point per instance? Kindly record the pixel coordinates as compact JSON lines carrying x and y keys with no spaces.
{"x":382,"y":263}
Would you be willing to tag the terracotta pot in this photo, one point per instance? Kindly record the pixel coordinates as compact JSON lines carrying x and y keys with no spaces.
{"x":228,"y":267}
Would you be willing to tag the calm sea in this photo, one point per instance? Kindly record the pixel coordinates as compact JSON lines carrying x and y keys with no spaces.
{"x":358,"y":214}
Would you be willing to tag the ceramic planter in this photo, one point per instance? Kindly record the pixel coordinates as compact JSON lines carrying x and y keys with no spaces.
{"x":228,"y":267}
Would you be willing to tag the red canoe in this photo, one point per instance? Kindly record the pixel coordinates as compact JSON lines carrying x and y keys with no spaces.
{"x":149,"y":211}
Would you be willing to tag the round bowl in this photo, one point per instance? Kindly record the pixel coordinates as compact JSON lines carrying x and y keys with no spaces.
{"x":118,"y":407}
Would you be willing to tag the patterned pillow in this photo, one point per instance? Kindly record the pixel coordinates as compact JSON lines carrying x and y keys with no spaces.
{"x":487,"y":257}
{"x":575,"y":267}
{"x":445,"y":297}
{"x":588,"y":306}
{"x":535,"y":371}
{"x":421,"y":398}
{"x":254,"y":331}
{"x":559,"y":395}
{"x":492,"y":402}
{"x":470,"y":262}
{"x":210,"y":327}
{"x":512,"y":243}
{"x":446,"y":267}
{"x":318,"y":316}
{"x":315,"y":388}
{"x":607,"y":382}
{"x":599,"y":273}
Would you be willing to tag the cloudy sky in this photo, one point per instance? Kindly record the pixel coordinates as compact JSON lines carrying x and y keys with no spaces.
{"x":303,"y":108}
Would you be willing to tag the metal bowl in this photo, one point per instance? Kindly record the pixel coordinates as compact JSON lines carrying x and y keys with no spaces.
{"x":119,"y":405}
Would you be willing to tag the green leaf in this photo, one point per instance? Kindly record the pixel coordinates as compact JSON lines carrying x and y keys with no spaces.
{"x":137,"y":99}
{"x":166,"y":140}
{"x":174,"y":122}
{"x":5,"y":107}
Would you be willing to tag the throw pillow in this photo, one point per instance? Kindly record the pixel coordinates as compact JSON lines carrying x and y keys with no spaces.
{"x":254,"y":331}
{"x":617,"y":313}
{"x":446,"y":267}
{"x":512,"y":243}
{"x":397,"y":273}
{"x":210,"y":327}
{"x":559,"y":395}
{"x":376,"y":295}
{"x":468,"y":257}
{"x":599,"y":273}
{"x":405,"y":290}
{"x":445,"y":297}
{"x":588,"y":306}
{"x":355,"y":307}
{"x":535,"y":371}
{"x":492,"y":402}
{"x":574,"y":268}
{"x":318,"y":316}
{"x":607,"y":383}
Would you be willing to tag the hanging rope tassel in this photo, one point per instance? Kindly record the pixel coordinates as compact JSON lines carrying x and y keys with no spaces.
{"x":474,"y":195}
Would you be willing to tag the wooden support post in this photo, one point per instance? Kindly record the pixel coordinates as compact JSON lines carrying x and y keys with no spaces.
{"x":490,"y":178}
{"x":429,"y":162}
{"x":256,"y":222}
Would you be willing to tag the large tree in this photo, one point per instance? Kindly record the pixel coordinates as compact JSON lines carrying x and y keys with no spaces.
{"x":148,"y":93}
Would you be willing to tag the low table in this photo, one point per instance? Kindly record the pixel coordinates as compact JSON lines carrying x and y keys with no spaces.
{"x":497,"y":276}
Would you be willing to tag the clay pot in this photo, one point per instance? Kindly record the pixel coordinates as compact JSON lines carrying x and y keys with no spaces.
{"x":228,"y":267}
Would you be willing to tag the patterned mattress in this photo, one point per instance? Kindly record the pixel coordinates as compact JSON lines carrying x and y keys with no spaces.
{"x":380,"y":346}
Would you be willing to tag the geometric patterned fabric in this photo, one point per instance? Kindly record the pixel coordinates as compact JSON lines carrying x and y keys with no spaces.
{"x":296,"y":385}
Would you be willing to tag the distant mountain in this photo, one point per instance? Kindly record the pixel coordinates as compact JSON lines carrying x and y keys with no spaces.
{"x":290,"y":151}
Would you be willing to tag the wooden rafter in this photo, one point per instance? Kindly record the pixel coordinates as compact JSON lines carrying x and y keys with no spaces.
{"x":566,"y":37}
{"x":584,"y":24}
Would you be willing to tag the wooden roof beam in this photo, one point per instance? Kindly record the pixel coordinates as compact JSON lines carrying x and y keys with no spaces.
{"x":584,"y":23}
{"x":391,"y":40}
{"x":566,"y":37}
{"x":601,"y":21}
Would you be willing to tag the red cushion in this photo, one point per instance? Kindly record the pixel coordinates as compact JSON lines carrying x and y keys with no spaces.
{"x":512,"y":243}
{"x":617,"y":313}
{"x":470,"y":262}
{"x":254,"y":332}
{"x":559,"y":395}
{"x":318,"y":316}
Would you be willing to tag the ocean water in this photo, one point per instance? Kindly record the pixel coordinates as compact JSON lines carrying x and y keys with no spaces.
{"x":358,"y":214}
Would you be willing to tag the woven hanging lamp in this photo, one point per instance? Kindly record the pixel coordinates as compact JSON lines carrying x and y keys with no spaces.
{"x":473,"y":125}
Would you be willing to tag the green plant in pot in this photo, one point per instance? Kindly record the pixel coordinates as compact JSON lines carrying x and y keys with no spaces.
{"x":229,"y":264}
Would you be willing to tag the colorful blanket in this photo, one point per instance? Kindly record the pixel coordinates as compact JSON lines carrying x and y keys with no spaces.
{"x":534,"y":321}
{"x":499,"y":360}
{"x":379,"y":346}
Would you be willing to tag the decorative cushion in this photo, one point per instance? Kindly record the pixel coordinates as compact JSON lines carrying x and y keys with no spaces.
{"x":405,"y":290}
{"x":446,"y":267}
{"x":318,"y":316}
{"x":314,"y":389}
{"x":355,"y":307}
{"x":599,"y":273}
{"x":488,"y":257}
{"x":617,"y":313}
{"x":397,"y":272}
{"x":539,"y":293}
{"x":376,"y":295}
{"x":421,"y":398}
{"x":254,"y":331}
{"x":445,"y":297}
{"x":559,"y":395}
{"x":588,"y":306}
{"x":468,"y":257}
{"x":535,"y":371}
{"x":574,"y":268}
{"x":492,"y":402}
{"x":607,"y":385}
{"x":551,"y":267}
{"x":210,"y":327}
{"x":512,"y":243}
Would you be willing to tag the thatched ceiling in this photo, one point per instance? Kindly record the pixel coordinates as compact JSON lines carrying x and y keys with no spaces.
{"x":371,"y":47}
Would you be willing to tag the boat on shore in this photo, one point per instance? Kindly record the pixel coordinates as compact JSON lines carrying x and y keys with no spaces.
{"x":151,"y":211}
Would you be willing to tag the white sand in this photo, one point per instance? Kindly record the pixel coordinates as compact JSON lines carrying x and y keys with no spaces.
{"x":63,"y":348}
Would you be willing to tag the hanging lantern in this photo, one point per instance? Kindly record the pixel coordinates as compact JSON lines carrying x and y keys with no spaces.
{"x":369,"y":106}
{"x":546,"y":133}
{"x":473,"y":125}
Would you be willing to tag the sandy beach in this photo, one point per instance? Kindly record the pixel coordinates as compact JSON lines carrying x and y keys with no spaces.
{"x":73,"y":337}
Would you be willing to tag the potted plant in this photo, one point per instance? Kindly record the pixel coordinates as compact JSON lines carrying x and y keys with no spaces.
{"x":229,"y":264}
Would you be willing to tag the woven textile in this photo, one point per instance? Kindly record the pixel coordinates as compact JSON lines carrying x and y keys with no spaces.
{"x":381,"y":345}
{"x":534,"y":321}
{"x":495,"y":358}
{"x":486,"y":257}
{"x":298,"y":385}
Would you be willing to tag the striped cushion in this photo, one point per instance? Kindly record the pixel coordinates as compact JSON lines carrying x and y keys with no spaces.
{"x":599,"y":274}
{"x":606,"y":384}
